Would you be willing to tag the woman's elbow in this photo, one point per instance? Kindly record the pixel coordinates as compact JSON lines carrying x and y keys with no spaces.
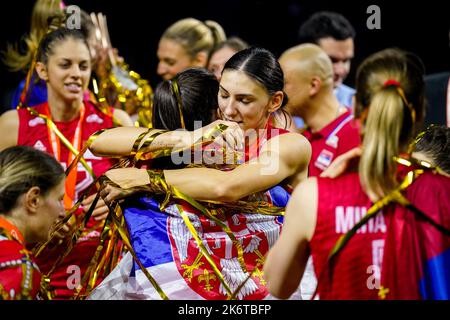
{"x":96,"y":147}
{"x":280,"y":290}
{"x":103,"y":147}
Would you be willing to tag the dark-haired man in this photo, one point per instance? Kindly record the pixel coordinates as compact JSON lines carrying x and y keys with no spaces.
{"x":334,"y":34}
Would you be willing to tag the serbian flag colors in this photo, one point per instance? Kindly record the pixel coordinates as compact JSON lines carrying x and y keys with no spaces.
{"x":416,"y":263}
{"x":170,"y":252}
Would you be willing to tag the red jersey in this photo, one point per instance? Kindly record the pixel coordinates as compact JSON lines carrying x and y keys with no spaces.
{"x":341,"y":204}
{"x":269,"y":132}
{"x":19,"y":275}
{"x":338,"y":137}
{"x":33,"y":132}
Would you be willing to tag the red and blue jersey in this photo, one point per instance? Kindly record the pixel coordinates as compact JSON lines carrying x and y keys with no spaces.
{"x":417,"y":255}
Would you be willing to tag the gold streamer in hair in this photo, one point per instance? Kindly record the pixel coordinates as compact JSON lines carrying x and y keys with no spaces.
{"x":409,"y":105}
{"x":176,"y":91}
{"x":25,"y":92}
{"x":401,"y":93}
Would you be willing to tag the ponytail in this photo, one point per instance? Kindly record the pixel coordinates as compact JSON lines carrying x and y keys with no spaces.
{"x":217,"y":33}
{"x":17,"y":57}
{"x":391,"y":92}
{"x":382,"y":133}
{"x":13,"y":58}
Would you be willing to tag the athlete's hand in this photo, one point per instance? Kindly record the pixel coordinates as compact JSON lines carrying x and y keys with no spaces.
{"x":62,"y":231}
{"x":124,"y":180}
{"x":232,"y":137}
{"x":112,"y":193}
{"x":341,"y":163}
{"x":101,"y":209}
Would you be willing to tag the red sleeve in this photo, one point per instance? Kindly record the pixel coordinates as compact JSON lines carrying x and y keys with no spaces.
{"x":13,"y":262}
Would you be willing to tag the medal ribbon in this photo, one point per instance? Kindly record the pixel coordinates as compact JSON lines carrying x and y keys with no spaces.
{"x":71,"y":176}
{"x":12,"y":230}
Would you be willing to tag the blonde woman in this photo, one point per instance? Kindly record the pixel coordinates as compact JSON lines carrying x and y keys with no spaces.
{"x":187,"y":43}
{"x":390,"y":100}
{"x":43,"y":12}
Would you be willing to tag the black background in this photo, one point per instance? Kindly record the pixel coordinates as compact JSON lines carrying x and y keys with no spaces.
{"x":135,"y":27}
